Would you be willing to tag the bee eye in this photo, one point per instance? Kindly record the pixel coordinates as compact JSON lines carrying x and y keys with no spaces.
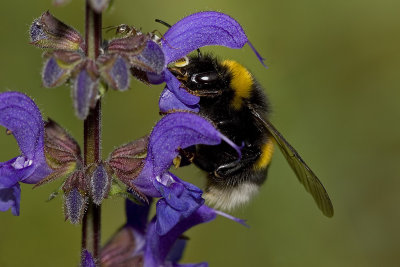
{"x":204,"y":77}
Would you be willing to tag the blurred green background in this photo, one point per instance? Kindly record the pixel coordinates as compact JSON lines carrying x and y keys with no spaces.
{"x":333,"y":80}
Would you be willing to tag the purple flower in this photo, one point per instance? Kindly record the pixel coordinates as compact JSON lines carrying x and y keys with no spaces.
{"x":190,"y":33}
{"x":21,"y":117}
{"x":178,"y":199}
{"x":138,"y":243}
{"x":87,"y":259}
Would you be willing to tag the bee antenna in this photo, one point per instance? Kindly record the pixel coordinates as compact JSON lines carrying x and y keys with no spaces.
{"x":169,"y":26}
{"x":163,"y":23}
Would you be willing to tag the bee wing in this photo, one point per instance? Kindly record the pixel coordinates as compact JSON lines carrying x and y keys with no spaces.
{"x":305,"y":175}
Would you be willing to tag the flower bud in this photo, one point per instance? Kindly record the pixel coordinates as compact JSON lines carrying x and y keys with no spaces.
{"x":115,"y":71}
{"x":85,"y":89}
{"x":75,"y":197}
{"x":57,"y":69}
{"x":50,"y":33}
{"x":100,"y":184}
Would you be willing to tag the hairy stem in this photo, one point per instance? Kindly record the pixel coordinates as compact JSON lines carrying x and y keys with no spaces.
{"x":91,"y":224}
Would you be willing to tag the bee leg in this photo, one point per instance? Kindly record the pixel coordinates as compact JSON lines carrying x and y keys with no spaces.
{"x":231,"y":168}
{"x":186,"y":156}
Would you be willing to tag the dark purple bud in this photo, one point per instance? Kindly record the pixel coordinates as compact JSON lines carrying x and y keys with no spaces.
{"x":62,"y":152}
{"x":130,"y":46}
{"x":99,"y":5}
{"x":115,"y":71}
{"x":100,"y":184}
{"x":75,"y":197}
{"x":57,"y":69}
{"x":128,"y":160}
{"x":87,"y":259}
{"x":151,"y":59}
{"x":60,"y":145}
{"x":85,"y":90}
{"x":49,"y":32}
{"x":123,"y":249}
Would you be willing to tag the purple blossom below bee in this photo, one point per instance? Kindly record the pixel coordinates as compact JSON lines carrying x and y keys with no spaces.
{"x":138,"y":243}
{"x":175,"y":131}
{"x":20,"y":115}
{"x":179,"y":199}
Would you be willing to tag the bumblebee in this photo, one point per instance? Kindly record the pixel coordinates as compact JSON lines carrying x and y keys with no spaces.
{"x":234,"y":101}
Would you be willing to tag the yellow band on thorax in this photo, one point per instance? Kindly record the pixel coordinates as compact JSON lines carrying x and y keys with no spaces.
{"x":241,"y":83}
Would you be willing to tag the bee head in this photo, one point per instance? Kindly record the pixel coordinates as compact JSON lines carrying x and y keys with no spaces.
{"x":201,"y":75}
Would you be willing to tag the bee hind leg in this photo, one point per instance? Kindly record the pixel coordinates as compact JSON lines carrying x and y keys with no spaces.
{"x":233,"y":167}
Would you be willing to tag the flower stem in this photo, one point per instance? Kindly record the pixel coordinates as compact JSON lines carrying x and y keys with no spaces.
{"x":91,"y":224}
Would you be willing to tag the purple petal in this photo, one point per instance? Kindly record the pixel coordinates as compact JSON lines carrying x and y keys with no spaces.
{"x":230,"y":217}
{"x":202,"y":29}
{"x":158,"y":247}
{"x":87,"y":259}
{"x":179,"y":202}
{"x":119,"y":73}
{"x":15,"y":170}
{"x":154,"y":78}
{"x":58,"y":67}
{"x":171,"y":191}
{"x":53,"y":75}
{"x":10,"y":198}
{"x":178,"y":130}
{"x":137,"y":215}
{"x":169,"y":102}
{"x":167,"y":218}
{"x":115,"y":71}
{"x":175,"y":130}
{"x":260,"y":58}
{"x":20,"y":115}
{"x":176,"y":253}
{"x":83,"y":94}
{"x":174,"y":85}
{"x":151,"y":59}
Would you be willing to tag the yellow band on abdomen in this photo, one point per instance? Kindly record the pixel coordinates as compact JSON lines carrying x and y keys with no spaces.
{"x":266,"y":155}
